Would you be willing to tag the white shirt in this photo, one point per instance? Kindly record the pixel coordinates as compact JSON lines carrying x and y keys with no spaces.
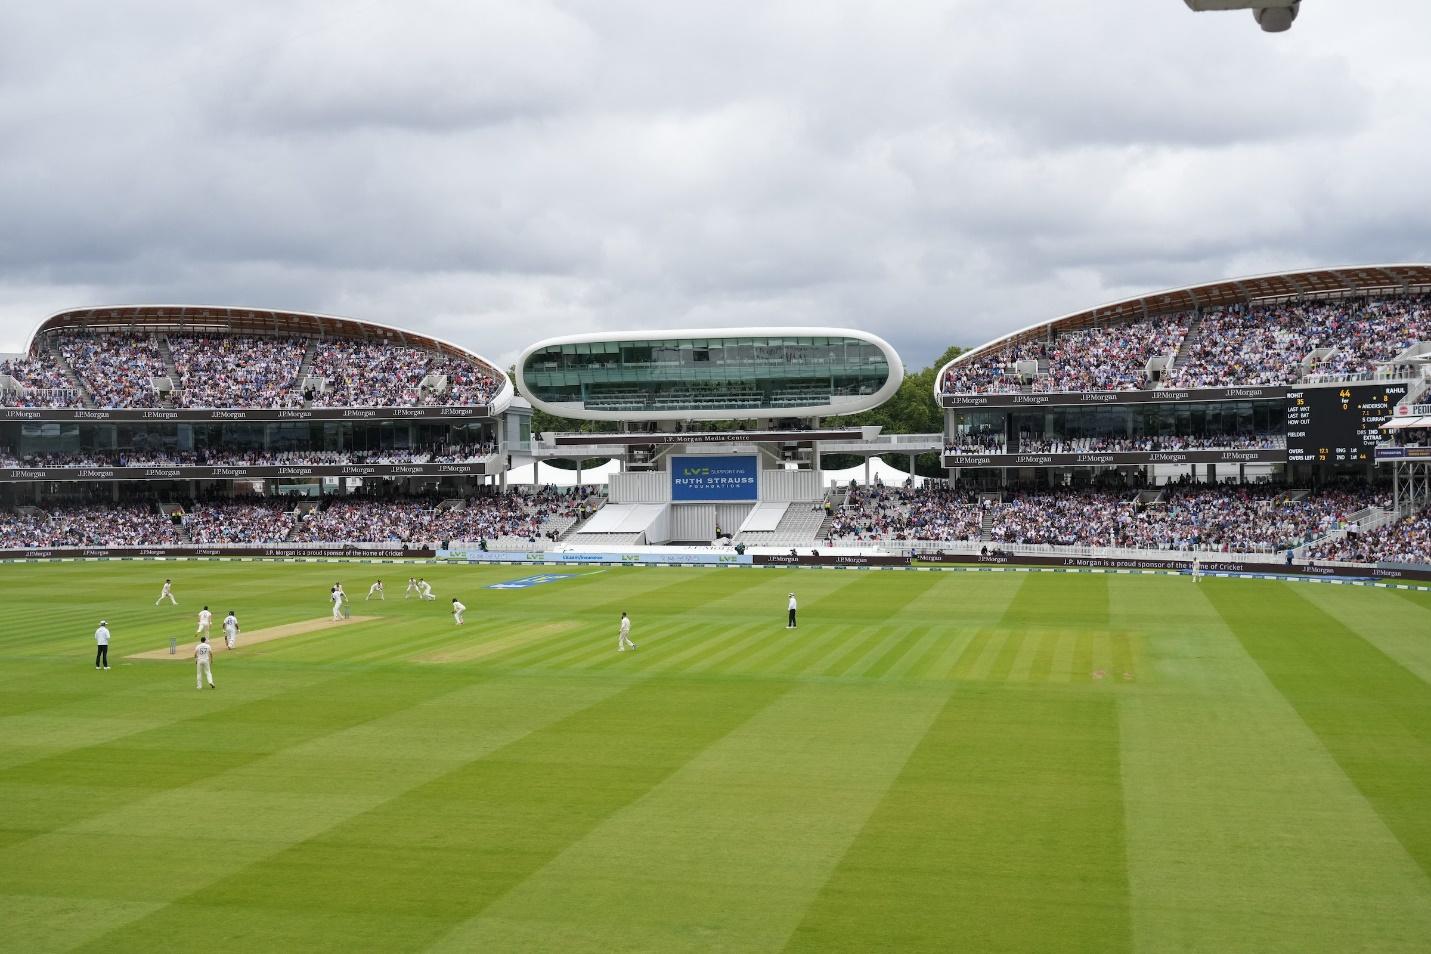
{"x":625,"y":625}
{"x":375,"y":587}
{"x":101,"y":636}
{"x":205,"y":617}
{"x":792,"y":602}
{"x":231,"y":622}
{"x":458,"y":608}
{"x":166,"y":588}
{"x":337,"y":596}
{"x":425,"y":587}
{"x":202,"y":652}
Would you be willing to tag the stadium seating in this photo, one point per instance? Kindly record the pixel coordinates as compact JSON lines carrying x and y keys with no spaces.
{"x":1275,"y":344}
{"x":129,"y":370}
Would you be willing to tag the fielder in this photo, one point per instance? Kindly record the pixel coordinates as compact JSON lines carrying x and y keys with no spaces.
{"x":202,"y":654}
{"x":412,"y":588}
{"x":790,"y":619}
{"x":231,"y":630}
{"x":206,"y":623}
{"x":167,"y":593}
{"x":1197,"y":568}
{"x":101,"y":646}
{"x":376,"y":590}
{"x":623,"y":639}
{"x":457,"y":610}
{"x":424,"y":590}
{"x":336,"y":595}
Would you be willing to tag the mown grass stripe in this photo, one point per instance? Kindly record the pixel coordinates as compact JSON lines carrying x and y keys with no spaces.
{"x":1372,"y":714}
{"x":1012,"y":865}
{"x":407,"y":872}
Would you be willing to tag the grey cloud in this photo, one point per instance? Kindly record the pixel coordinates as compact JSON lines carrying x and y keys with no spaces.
{"x":935,"y":172}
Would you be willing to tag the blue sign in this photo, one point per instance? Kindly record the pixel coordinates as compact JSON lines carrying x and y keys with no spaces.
{"x":714,"y":478}
{"x":527,"y":582}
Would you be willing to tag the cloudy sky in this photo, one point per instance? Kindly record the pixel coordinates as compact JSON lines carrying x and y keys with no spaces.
{"x":496,"y":172}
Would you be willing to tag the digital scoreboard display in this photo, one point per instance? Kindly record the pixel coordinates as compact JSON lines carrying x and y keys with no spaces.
{"x":1338,"y":424}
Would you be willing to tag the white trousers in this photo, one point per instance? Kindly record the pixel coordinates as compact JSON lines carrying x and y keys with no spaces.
{"x":458,"y":618}
{"x":166,"y":596}
{"x":204,"y":673}
{"x":337,"y":611}
{"x":622,"y":641}
{"x":230,"y":639}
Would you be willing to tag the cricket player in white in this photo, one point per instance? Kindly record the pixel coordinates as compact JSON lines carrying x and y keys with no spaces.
{"x":167,"y":593}
{"x":1197,"y":568}
{"x":101,"y":646}
{"x":336,"y":595}
{"x":424,"y":590}
{"x":623,"y":639}
{"x":790,"y":619}
{"x":202,"y":654}
{"x":376,"y":590}
{"x":231,"y":630}
{"x":206,"y":622}
{"x":457,"y":610}
{"x":412,"y":588}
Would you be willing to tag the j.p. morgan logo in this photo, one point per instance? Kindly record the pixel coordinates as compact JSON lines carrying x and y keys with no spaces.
{"x":357,"y":471}
{"x":92,"y":415}
{"x":1245,"y":392}
{"x":964,"y":460}
{"x":29,"y":474}
{"x":1239,"y":455}
{"x":1166,"y":458}
{"x":1095,"y":458}
{"x":21,"y":414}
{"x":1097,"y":397}
{"x":161,"y":415}
{"x":1033,"y":459}
{"x":290,"y":415}
{"x":360,"y":412}
{"x":406,"y":469}
{"x":230,"y":471}
{"x":172,"y":472}
{"x":231,"y":415}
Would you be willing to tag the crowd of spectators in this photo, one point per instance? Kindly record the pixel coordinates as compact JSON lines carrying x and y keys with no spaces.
{"x":119,"y":369}
{"x":1223,"y":517}
{"x":1404,"y":541}
{"x":215,"y":370}
{"x":1099,"y":445}
{"x":241,"y":521}
{"x":368,"y":374}
{"x":38,"y":384}
{"x":527,"y":517}
{"x":977,"y":443}
{"x":1253,"y":345}
{"x":94,"y":525}
{"x":135,"y":370}
{"x":1113,"y":358}
{"x":445,"y":454}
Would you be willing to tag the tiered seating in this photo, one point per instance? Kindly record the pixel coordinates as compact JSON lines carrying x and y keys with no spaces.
{"x":1404,"y":541}
{"x":89,"y":526}
{"x":118,"y":369}
{"x":1273,"y":344}
{"x":799,"y":525}
{"x":37,"y":384}
{"x":215,"y":370}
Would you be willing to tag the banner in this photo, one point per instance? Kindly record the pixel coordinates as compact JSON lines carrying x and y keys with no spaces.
{"x":1211,"y":563}
{"x":491,"y":465}
{"x":1064,"y":398}
{"x":1095,"y":458}
{"x":276,"y":550}
{"x":713,"y":479}
{"x":810,"y":559}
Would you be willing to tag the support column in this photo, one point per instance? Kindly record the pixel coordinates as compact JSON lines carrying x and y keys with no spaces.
{"x":911,"y":469}
{"x":867,"y":471}
{"x":578,"y":470}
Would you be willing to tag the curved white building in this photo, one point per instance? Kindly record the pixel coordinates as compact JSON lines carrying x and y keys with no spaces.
{"x":710,"y":374}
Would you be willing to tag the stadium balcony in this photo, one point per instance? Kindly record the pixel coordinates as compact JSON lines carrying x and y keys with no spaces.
{"x":192,"y":358}
{"x":1341,"y":324}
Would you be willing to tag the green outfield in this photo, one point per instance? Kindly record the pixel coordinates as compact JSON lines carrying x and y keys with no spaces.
{"x":933,"y":761}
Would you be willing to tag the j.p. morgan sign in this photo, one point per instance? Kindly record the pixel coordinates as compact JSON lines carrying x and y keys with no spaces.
{"x":277,"y":472}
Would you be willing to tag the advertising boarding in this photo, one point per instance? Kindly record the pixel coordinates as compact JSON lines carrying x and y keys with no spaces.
{"x":700,"y":479}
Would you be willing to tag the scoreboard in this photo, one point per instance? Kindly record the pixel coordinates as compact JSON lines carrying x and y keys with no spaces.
{"x":1340,"y":423}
